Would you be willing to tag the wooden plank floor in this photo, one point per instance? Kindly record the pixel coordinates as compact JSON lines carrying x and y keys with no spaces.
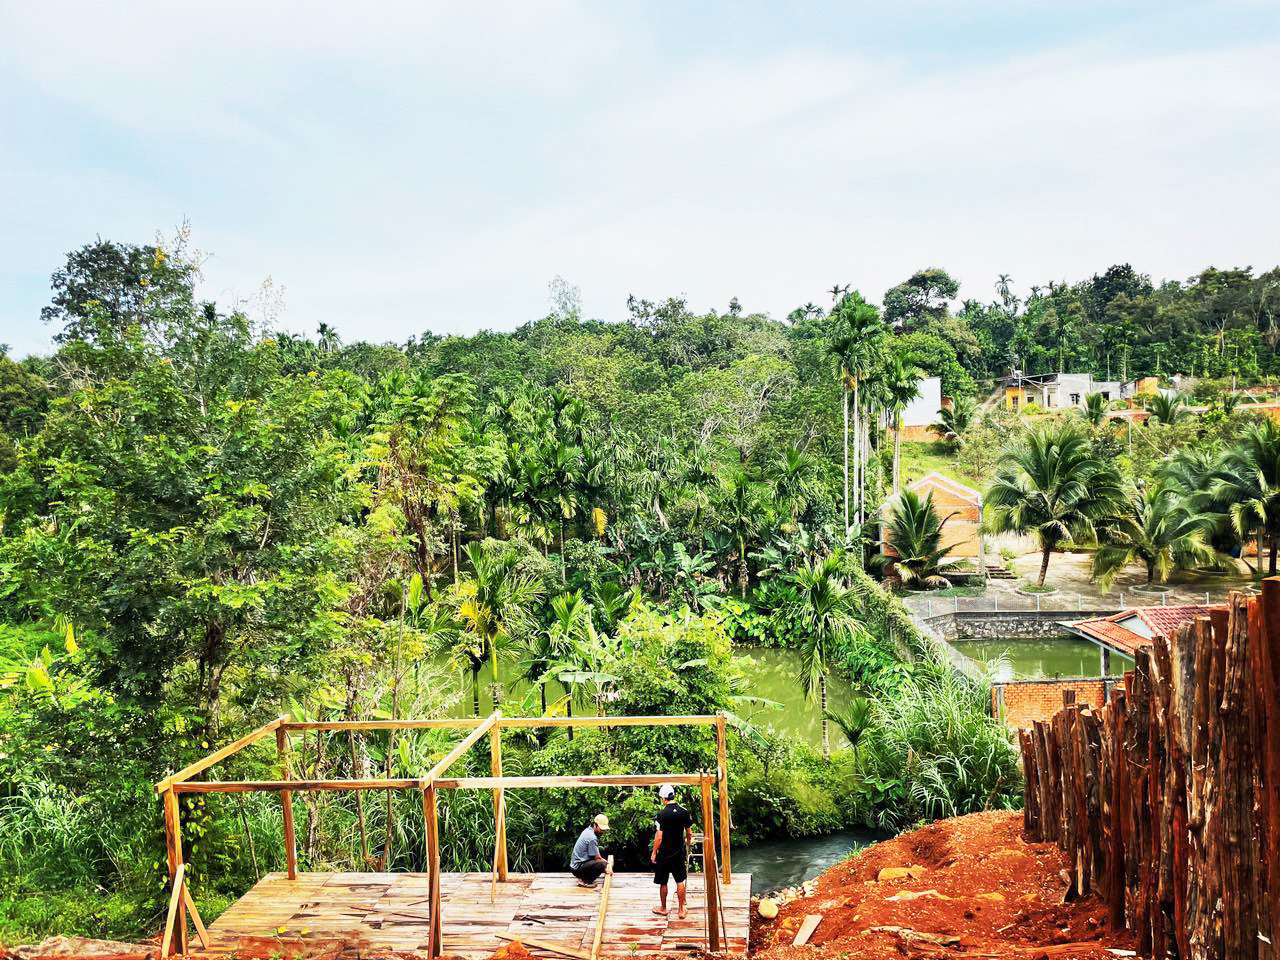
{"x":389,"y":911}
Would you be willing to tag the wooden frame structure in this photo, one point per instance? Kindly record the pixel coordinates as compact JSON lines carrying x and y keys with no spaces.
{"x":715,"y":863}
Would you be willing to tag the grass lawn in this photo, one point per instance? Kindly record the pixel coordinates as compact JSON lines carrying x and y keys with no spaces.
{"x":920,"y":457}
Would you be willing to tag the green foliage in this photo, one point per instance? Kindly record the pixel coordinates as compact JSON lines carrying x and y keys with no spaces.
{"x":915,"y":536}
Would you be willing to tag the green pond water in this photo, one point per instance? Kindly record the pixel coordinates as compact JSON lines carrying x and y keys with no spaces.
{"x":771,"y":674}
{"x":1041,"y":657}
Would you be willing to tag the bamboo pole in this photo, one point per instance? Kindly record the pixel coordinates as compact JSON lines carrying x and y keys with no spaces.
{"x":499,"y":801}
{"x":604,"y":906}
{"x":235,"y":746}
{"x":286,"y":804}
{"x":722,"y":788}
{"x":430,"y":816}
{"x":709,"y":868}
{"x":173,"y":851}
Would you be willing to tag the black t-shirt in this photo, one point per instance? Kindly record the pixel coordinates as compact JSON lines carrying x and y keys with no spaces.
{"x":673,"y":820}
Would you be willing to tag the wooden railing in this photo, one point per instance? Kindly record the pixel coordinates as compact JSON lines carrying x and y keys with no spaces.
{"x":1167,"y":799}
{"x":176,"y":784}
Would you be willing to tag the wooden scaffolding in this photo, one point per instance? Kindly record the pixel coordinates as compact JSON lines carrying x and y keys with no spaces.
{"x":716,"y":863}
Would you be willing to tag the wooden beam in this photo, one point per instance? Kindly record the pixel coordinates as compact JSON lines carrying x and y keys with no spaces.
{"x":722,"y":789}
{"x":462,"y":723}
{"x":200,"y":765}
{"x":603,"y":780}
{"x":499,"y":802}
{"x":173,"y":853}
{"x":268,"y":786}
{"x":692,"y":721}
{"x":469,"y":741}
{"x":431,"y":817}
{"x":546,"y":945}
{"x":709,"y":868}
{"x":201,"y":932}
{"x":809,"y":925}
{"x":175,"y":905}
{"x":286,"y":803}
{"x":604,"y":906}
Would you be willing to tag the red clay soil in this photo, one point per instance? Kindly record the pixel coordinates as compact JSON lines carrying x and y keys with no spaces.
{"x":983,"y":892}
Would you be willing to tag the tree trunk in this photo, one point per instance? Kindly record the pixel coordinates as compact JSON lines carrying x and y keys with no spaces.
{"x":1151,"y":572}
{"x":569,"y":709}
{"x":475,"y":690}
{"x":897,"y":450}
{"x":857,"y":459}
{"x":822,"y":694}
{"x":1271,"y":557}
{"x":844,"y":402}
{"x":1044,"y":564}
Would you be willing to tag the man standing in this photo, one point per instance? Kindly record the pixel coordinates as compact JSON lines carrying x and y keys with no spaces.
{"x":586,"y":863}
{"x":671,"y":839}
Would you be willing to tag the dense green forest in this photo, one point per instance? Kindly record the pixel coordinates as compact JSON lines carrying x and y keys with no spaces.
{"x":207,"y":522}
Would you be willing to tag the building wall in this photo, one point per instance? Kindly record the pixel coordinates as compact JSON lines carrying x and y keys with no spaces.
{"x":996,"y":625}
{"x":1022,"y":702}
{"x":960,"y":531}
{"x":923,"y":410}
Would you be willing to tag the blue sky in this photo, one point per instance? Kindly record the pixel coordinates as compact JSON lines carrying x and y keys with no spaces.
{"x":401,"y":167}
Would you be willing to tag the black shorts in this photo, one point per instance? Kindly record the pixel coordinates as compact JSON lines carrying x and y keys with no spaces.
{"x":673,"y":869}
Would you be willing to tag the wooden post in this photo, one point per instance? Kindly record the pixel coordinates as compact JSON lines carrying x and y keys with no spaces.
{"x":286,"y":804}
{"x":173,"y":852}
{"x":430,"y":816}
{"x":499,"y":801}
{"x":709,"y":868}
{"x":722,"y":788}
{"x":604,"y":906}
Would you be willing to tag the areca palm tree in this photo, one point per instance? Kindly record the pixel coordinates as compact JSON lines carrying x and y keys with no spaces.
{"x":795,"y":482}
{"x":954,"y":421}
{"x":1167,"y":408}
{"x":1158,"y":529}
{"x":825,"y":614}
{"x":1094,"y":409}
{"x":1246,"y":486}
{"x":854,"y":331}
{"x":915,"y":536}
{"x":495,"y":605}
{"x":740,"y":514}
{"x":1053,"y":487}
{"x":901,"y":380}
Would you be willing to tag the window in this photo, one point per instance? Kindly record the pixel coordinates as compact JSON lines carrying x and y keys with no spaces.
{"x":1106,"y":394}
{"x":1030,"y":398}
{"x":1075,"y":399}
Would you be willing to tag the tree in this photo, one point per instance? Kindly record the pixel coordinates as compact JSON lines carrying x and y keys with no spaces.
{"x":915,"y":537}
{"x":1167,"y":408}
{"x":954,"y":421}
{"x":919,"y":299}
{"x":854,"y":335}
{"x":1053,"y":487}
{"x":1158,"y":529}
{"x":824,"y":612}
{"x":740,"y":511}
{"x":901,"y":381}
{"x":795,"y":482}
{"x":495,"y":603}
{"x":567,"y":629}
{"x":1095,"y":409}
{"x":1246,"y":486}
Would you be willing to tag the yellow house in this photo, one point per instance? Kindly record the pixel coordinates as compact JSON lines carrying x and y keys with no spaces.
{"x":960,"y":531}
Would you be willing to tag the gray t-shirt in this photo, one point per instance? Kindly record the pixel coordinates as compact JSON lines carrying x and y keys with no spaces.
{"x":587,"y":848}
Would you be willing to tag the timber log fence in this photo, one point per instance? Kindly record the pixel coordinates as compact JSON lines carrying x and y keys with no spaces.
{"x":1167,"y":799}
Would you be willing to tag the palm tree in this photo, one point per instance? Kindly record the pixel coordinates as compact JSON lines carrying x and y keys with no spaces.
{"x":824,"y":613}
{"x":328,"y":338}
{"x":555,"y":651}
{"x":740,"y":515}
{"x":1246,"y":486}
{"x":915,"y":536}
{"x":1160,"y":530}
{"x":854,"y":330}
{"x":855,"y":720}
{"x":901,"y":386}
{"x":1094,"y":409}
{"x":495,"y":604}
{"x":794,"y":482}
{"x":1054,"y":487}
{"x":1167,"y":408}
{"x":954,"y":421}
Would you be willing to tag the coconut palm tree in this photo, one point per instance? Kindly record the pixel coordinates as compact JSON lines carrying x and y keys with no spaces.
{"x":1053,"y":487}
{"x":1094,"y":409}
{"x":824,"y":612}
{"x":955,"y":420}
{"x":495,"y":604}
{"x":915,"y":536}
{"x":1159,"y":529}
{"x":1246,"y":486}
{"x":1167,"y":408}
{"x":901,"y":380}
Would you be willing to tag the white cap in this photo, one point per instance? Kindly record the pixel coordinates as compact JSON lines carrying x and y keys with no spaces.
{"x":666,"y":791}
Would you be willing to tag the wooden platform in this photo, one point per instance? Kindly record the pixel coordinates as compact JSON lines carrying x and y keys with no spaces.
{"x":389,"y":911}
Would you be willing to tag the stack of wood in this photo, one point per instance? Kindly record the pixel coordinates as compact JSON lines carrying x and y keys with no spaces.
{"x":1167,"y":799}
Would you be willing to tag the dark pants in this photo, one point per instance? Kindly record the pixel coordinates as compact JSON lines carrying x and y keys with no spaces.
{"x":590,"y":871}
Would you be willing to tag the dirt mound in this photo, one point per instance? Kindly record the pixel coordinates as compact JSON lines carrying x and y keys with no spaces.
{"x":983,"y":891}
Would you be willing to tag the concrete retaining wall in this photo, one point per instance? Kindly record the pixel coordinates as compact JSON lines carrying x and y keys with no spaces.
{"x":998,"y":625}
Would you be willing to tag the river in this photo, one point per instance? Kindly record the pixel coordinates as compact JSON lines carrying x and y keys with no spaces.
{"x":774,"y":864}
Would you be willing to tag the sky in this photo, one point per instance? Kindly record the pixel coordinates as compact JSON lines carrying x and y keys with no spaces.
{"x":393,"y":168}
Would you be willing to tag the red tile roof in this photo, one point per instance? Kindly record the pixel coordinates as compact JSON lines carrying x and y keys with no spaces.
{"x":1163,"y":620}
